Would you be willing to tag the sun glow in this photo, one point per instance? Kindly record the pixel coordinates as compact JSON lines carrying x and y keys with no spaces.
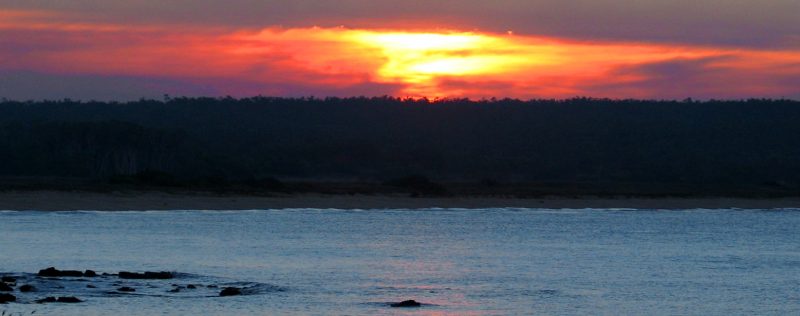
{"x":456,"y":64}
{"x":344,"y":62}
{"x":420,"y":58}
{"x":420,"y":42}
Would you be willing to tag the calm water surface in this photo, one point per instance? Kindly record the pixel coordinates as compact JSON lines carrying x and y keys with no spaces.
{"x":464,"y":262}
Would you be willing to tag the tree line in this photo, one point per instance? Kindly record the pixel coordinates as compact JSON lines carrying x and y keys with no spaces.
{"x":582,"y":141}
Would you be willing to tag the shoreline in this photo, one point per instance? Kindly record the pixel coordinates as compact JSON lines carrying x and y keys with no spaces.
{"x":140,"y":201}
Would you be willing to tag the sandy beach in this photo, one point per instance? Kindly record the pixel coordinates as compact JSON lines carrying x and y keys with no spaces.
{"x":122,"y":201}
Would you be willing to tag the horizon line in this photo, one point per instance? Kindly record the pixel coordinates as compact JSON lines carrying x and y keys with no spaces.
{"x":431,"y":100}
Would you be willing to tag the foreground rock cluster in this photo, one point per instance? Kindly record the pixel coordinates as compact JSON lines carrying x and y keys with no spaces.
{"x":40,"y":288}
{"x":54,"y":286}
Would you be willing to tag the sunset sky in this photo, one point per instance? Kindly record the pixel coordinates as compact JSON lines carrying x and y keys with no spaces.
{"x":122,"y":50}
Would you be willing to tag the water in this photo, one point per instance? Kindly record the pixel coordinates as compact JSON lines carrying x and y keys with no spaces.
{"x":462,"y":262}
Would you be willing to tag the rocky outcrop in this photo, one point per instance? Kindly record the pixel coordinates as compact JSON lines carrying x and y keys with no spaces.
{"x":408,"y":303}
{"x":7,"y":298}
{"x":65,"y":286}
{"x":63,"y":299}
{"x":230,"y":291}
{"x":53,"y":272}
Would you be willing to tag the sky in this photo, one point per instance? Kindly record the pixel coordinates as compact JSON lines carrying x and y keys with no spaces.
{"x":124,"y":50}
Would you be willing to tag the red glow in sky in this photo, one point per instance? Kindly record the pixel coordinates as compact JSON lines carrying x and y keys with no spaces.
{"x":155,"y":59}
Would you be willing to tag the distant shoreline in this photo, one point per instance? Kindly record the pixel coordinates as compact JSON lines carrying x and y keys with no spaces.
{"x":134,"y":200}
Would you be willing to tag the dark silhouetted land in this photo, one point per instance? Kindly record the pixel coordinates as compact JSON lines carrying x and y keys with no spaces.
{"x":505,"y":149}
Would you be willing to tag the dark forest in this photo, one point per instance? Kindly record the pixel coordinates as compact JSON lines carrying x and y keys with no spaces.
{"x":574,"y":146}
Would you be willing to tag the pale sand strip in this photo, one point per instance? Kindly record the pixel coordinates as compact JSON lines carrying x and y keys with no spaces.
{"x":62,"y":201}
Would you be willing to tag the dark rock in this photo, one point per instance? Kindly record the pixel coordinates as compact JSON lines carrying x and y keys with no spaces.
{"x":159,"y":275}
{"x":191,"y":286}
{"x":175,"y":290}
{"x":5,"y":288}
{"x":53,"y":272}
{"x":48,"y":299}
{"x":126,"y":289}
{"x":147,"y":275}
{"x":89,"y":274}
{"x":27,"y":288}
{"x":408,"y":303}
{"x":68,"y":299}
{"x":9,"y":279}
{"x":5,"y":298}
{"x":89,"y":286}
{"x":63,"y":299}
{"x":230,"y":291}
{"x":211,"y":286}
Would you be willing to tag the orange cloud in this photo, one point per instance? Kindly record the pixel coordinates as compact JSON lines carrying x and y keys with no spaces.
{"x":312,"y":61}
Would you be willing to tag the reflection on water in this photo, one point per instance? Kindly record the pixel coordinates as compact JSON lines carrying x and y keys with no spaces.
{"x":459,"y":262}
